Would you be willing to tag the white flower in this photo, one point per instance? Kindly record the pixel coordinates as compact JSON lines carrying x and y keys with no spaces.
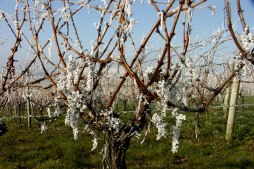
{"x":149,"y":70}
{"x":213,"y":7}
{"x":112,"y":122}
{"x":158,"y":121}
{"x":128,"y":10}
{"x":131,"y":25}
{"x":49,"y":113}
{"x":160,"y":15}
{"x":43,"y":127}
{"x":95,"y":143}
{"x":176,"y":129}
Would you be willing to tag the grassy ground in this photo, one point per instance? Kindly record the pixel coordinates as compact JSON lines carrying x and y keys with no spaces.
{"x":21,"y":147}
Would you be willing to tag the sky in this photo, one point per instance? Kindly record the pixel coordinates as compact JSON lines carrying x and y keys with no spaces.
{"x":145,"y":14}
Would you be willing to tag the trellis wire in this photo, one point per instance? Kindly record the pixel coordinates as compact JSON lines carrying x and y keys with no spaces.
{"x":213,"y":107}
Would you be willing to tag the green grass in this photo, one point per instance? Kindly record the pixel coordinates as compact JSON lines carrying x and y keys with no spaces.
{"x":21,"y":147}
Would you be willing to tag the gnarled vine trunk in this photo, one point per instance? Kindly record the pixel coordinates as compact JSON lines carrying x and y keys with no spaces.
{"x":119,"y":142}
{"x":117,"y":152}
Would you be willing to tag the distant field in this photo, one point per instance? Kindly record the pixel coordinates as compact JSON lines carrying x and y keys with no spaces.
{"x":28,"y":148}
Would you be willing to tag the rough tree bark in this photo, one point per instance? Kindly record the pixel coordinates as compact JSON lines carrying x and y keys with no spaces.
{"x":120,"y":142}
{"x":117,"y":151}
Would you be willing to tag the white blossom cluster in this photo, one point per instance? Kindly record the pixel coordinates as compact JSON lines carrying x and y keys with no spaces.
{"x":149,"y":70}
{"x":160,"y":15}
{"x":212,"y":8}
{"x":112,"y":122}
{"x":76,"y":104}
{"x":65,"y":82}
{"x":116,"y":58}
{"x":89,"y":75}
{"x":246,"y":71}
{"x":246,"y":39}
{"x":72,"y":115}
{"x":128,"y":8}
{"x":43,"y":127}
{"x":158,"y":121}
{"x":176,"y":129}
{"x":49,"y":112}
{"x":95,"y":140}
{"x":95,"y":143}
{"x":76,"y":100}
{"x":176,"y":94}
{"x":164,"y":93}
{"x":237,"y":62}
{"x":182,"y":94}
{"x":50,"y":47}
{"x":58,"y":110}
{"x":131,"y":25}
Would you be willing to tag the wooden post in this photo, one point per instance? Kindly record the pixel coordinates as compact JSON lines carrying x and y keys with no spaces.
{"x":226,"y":101}
{"x":227,"y":97}
{"x":117,"y":99}
{"x":28,"y":105}
{"x":242,"y":105}
{"x":197,"y":126}
{"x":124,"y":105}
{"x":16,"y":102}
{"x":19,"y":115}
{"x":242,"y":97}
{"x":232,"y":109}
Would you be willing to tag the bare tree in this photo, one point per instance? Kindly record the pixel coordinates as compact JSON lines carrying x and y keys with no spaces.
{"x":80,"y":72}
